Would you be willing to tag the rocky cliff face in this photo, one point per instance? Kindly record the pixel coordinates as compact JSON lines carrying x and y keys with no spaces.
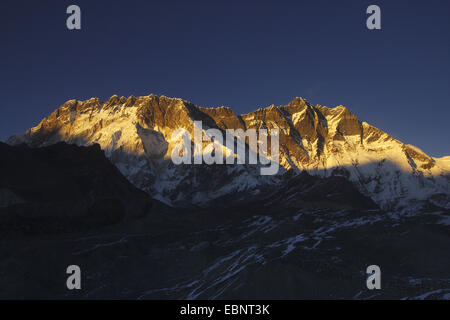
{"x":136,"y":134}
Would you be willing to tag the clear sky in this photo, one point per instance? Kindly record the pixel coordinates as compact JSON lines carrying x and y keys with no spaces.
{"x":242,"y":54}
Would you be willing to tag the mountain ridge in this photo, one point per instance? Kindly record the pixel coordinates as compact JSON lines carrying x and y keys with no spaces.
{"x":135,"y":133}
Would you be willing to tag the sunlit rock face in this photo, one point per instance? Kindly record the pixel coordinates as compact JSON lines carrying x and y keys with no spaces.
{"x":136,"y":135}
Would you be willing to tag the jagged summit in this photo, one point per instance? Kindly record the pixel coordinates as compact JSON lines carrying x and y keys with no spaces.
{"x":135,"y":133}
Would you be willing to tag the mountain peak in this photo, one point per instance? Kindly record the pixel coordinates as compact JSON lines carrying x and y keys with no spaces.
{"x":299,"y":101}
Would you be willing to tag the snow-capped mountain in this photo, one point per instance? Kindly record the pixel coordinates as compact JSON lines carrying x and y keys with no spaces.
{"x":136,"y":135}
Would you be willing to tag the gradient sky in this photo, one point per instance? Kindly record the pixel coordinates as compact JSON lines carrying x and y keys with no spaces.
{"x":242,"y":54}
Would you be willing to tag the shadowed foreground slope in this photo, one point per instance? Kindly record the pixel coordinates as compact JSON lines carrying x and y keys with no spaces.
{"x":63,"y":188}
{"x":312,"y":238}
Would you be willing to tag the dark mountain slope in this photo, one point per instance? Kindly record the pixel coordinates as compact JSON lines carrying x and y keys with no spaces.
{"x":63,"y":188}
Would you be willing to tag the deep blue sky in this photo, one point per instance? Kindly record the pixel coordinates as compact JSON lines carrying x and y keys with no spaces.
{"x":242,"y":54}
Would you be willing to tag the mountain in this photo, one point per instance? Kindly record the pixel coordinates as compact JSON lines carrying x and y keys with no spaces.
{"x":64,"y":188}
{"x":336,"y":206}
{"x":268,"y":249}
{"x":136,"y":135}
